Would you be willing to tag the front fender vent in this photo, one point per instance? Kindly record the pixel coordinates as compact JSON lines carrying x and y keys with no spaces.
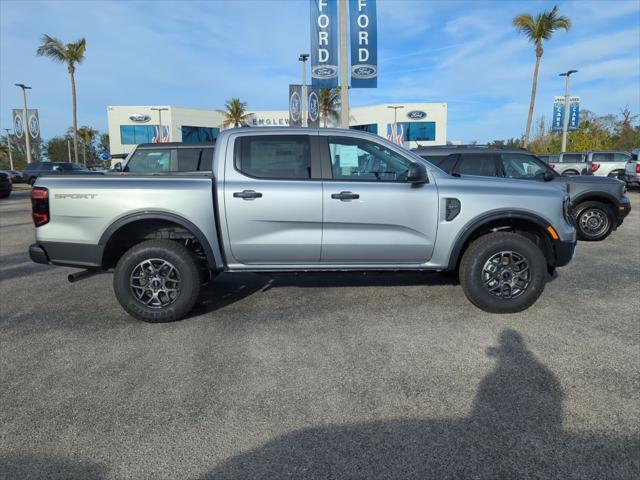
{"x":452,"y":208}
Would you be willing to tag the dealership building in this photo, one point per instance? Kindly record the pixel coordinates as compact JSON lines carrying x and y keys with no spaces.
{"x":417,"y":124}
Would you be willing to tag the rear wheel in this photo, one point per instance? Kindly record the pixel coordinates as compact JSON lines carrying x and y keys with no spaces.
{"x":157,"y":281}
{"x":619,"y":174}
{"x":594,"y":221}
{"x":503,"y":272}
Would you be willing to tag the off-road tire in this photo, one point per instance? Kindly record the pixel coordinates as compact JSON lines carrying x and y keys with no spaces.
{"x":180,"y":258}
{"x":580,"y":210}
{"x":483,"y":249}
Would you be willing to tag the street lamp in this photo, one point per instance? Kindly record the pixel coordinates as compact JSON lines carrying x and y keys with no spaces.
{"x":25,"y":122}
{"x":565,"y":123}
{"x":160,"y":110}
{"x":9,"y":147}
{"x":395,"y":121}
{"x":303,"y":65}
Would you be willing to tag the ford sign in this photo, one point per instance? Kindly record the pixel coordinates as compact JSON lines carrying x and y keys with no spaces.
{"x":364,"y":71}
{"x":324,"y":71}
{"x":416,"y":115}
{"x":139,"y":118}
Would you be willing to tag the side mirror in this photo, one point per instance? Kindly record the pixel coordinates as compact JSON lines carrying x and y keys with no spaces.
{"x":417,"y":173}
{"x":548,"y":176}
{"x":117,"y":167}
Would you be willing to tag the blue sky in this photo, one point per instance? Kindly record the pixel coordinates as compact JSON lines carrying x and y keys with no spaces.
{"x":198,"y":54}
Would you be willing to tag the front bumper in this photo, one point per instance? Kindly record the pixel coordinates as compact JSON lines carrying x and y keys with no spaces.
{"x":564,"y":252}
{"x":624,"y":207}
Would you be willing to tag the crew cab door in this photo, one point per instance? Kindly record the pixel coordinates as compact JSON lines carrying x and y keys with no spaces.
{"x":372,"y":215}
{"x":273,"y":199}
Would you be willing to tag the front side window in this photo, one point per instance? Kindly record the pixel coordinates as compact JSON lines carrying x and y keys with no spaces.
{"x":149,"y":161}
{"x":523,"y":166}
{"x":481,"y":164}
{"x":357,"y":159}
{"x":279,"y":157}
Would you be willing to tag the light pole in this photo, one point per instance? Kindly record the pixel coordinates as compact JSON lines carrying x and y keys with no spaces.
{"x":25,"y":120}
{"x":395,"y":121}
{"x":303,"y":59}
{"x":9,"y":146}
{"x":565,"y":123}
{"x":344,"y":67}
{"x":160,"y":110}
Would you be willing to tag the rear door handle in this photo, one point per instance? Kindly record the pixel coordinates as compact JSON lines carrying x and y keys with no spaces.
{"x":247,"y":194}
{"x":345,"y":196}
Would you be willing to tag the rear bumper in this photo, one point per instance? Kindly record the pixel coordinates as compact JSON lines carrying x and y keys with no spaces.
{"x":564,"y":252}
{"x":67,"y":254}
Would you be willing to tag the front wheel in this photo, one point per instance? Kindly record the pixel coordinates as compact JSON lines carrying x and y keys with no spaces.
{"x":157,"y":281}
{"x":594,"y":221}
{"x":503,"y":272}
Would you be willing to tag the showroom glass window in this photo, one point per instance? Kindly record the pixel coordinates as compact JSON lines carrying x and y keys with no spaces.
{"x":137,"y":134}
{"x":371,"y":128}
{"x":416,"y":131}
{"x":277,"y":157}
{"x":199,"y":134}
{"x":363,"y":160}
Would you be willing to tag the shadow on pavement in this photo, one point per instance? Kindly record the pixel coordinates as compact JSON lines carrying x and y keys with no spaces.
{"x":514,"y":430}
{"x":49,"y":468}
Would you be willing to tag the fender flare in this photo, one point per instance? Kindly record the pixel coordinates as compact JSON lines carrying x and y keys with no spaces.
{"x":478,"y":222}
{"x":594,"y":196}
{"x":214,"y":256}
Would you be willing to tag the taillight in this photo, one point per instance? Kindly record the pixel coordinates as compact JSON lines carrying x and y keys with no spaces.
{"x":637,"y":167}
{"x":552,"y":166}
{"x":594,"y":166}
{"x":40,"y":205}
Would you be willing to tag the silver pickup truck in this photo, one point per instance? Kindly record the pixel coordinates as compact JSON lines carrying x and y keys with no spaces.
{"x":301,"y":200}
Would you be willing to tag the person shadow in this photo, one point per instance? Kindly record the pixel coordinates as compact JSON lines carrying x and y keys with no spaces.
{"x":513,"y":431}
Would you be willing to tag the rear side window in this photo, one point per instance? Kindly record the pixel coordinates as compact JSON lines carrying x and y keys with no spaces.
{"x":149,"y":161}
{"x":572,"y":158}
{"x":621,"y":157}
{"x":278,"y":157}
{"x":602,"y":157}
{"x":477,"y":164}
{"x":33,"y":166}
{"x":189,"y":159}
{"x":46,"y":166}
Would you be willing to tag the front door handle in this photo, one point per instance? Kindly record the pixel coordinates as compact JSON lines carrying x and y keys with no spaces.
{"x":345,"y":196}
{"x":247,"y":194}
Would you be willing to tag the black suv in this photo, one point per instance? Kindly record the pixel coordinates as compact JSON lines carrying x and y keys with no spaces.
{"x":37,"y":169}
{"x":599,"y":203}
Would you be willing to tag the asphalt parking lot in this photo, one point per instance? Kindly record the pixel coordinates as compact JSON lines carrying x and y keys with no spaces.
{"x":321,"y":376}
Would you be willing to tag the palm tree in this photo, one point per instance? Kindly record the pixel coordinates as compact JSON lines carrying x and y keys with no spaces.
{"x":536,"y":30}
{"x":71,"y":54}
{"x":329,"y":104}
{"x":235,"y":113}
{"x":87,"y":134}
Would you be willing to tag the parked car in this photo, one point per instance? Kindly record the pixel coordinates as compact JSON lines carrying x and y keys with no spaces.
{"x":37,"y":169}
{"x":170,"y":157}
{"x":610,"y":163}
{"x":571,"y":163}
{"x":300,"y":200}
{"x":15,"y":176}
{"x":5,"y":185}
{"x":633,"y":171}
{"x":599,"y":205}
{"x":548,"y":157}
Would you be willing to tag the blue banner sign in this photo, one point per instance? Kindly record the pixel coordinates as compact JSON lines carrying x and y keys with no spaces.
{"x":364,"y":43}
{"x":324,"y":43}
{"x":574,"y":113}
{"x":558,"y":114}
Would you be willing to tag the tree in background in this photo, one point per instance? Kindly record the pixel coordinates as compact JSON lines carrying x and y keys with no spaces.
{"x":18,"y":152}
{"x":57,"y":149}
{"x":537,"y":30}
{"x":70,"y":54}
{"x":329,"y":104}
{"x":104,"y":142}
{"x":235,"y":113}
{"x":88,"y":135}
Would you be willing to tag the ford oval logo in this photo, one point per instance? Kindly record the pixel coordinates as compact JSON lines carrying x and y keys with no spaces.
{"x":324,"y":71}
{"x":139,"y":118}
{"x":416,"y":115}
{"x":364,"y":71}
